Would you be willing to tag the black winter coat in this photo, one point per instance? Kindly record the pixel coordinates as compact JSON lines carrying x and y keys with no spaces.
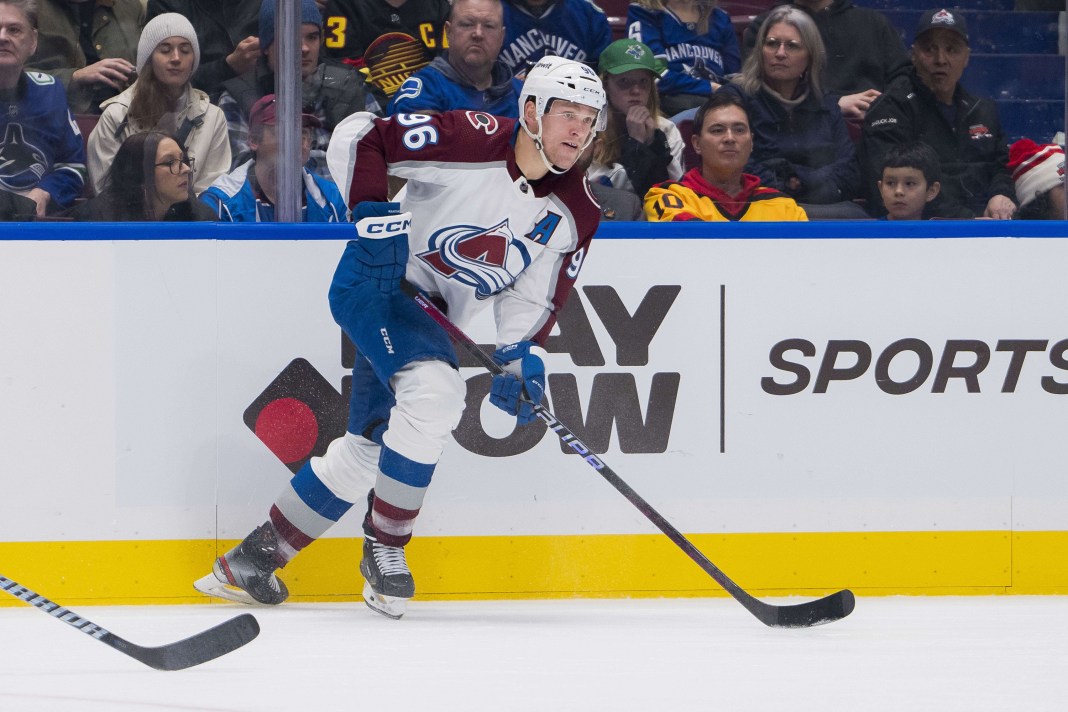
{"x":972,"y":150}
{"x":810,"y":142}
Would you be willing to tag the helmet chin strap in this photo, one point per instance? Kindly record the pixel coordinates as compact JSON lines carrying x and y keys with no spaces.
{"x":553,"y":168}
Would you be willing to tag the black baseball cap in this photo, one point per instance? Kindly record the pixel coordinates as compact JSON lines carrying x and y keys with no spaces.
{"x":943,"y":19}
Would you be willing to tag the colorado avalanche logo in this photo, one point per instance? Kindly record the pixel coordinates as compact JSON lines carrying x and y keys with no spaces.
{"x":488,"y":259}
{"x":21,"y":164}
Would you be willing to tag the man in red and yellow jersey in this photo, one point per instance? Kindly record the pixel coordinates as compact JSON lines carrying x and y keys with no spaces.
{"x":718,"y":190}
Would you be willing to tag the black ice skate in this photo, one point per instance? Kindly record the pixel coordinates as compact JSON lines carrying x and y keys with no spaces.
{"x":389,"y":583}
{"x":245,"y":574}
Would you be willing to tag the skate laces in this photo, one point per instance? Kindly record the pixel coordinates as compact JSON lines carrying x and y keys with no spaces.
{"x":389,"y":559}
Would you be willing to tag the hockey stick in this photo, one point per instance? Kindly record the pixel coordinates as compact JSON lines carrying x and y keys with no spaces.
{"x":200,"y":648}
{"x":801,"y":615}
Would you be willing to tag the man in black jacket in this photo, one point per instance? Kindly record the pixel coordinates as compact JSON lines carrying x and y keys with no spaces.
{"x":864,"y":51}
{"x":928,"y":104}
{"x":226,"y":33}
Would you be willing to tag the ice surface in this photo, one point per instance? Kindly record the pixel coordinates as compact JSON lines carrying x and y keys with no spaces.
{"x":665,"y":655}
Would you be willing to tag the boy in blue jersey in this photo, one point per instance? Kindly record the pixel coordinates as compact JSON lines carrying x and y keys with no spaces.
{"x":42,"y":156}
{"x":572,"y":29}
{"x":695,"y":39}
{"x":468,"y":75}
{"x":248,"y":193}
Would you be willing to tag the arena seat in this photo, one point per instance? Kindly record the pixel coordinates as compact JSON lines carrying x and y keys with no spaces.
{"x":993,"y":32}
{"x":86,"y":123}
{"x":921,"y":5}
{"x":1016,"y":76}
{"x":684,"y":123}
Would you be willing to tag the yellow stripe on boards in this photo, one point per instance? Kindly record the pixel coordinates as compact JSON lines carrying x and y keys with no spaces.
{"x":805,"y":564}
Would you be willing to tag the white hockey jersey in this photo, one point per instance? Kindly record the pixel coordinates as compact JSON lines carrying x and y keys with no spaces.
{"x":481,"y":232}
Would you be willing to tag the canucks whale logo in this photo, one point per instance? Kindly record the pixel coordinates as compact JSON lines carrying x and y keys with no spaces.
{"x":21,"y":163}
{"x":488,"y":259}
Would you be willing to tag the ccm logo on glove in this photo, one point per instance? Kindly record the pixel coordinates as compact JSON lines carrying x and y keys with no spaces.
{"x":386,"y":226}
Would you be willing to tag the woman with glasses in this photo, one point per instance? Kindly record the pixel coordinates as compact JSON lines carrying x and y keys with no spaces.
{"x":639,"y":147}
{"x":163,"y":99}
{"x":697,"y":40}
{"x":149,"y":180}
{"x":801,"y":144}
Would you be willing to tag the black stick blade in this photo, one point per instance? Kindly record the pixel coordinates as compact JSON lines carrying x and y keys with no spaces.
{"x":194,"y":650}
{"x":805,"y":615}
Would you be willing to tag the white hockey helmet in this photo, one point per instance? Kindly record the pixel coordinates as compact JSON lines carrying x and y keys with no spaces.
{"x":565,"y":79}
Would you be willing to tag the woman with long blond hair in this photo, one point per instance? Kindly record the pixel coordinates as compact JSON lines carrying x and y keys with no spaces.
{"x":163,"y":99}
{"x":801,"y":144}
{"x":696,"y":39}
{"x":639,"y":147}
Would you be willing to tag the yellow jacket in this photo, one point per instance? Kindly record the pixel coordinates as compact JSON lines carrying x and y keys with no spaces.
{"x":693,"y":198}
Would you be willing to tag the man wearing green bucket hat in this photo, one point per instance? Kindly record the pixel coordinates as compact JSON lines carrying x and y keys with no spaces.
{"x":640,"y":146}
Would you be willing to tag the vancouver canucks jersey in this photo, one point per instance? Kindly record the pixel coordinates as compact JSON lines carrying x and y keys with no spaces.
{"x":431,"y":90}
{"x":352,"y":25}
{"x":40,"y":145}
{"x":481,"y":233}
{"x":574,"y":29}
{"x":694,"y":60}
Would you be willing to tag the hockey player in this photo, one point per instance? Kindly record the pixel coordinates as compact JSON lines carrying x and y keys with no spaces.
{"x":491,"y":213}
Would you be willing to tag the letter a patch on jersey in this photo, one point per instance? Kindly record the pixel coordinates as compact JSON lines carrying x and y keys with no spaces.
{"x":488,"y":259}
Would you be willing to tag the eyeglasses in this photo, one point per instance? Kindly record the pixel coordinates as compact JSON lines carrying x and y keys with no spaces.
{"x":792,"y":46}
{"x":175,"y":165}
{"x":573,"y":116}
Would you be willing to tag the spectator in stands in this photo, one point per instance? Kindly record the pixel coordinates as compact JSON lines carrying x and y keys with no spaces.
{"x":41,"y":153}
{"x":720,"y":190}
{"x":864,"y":51}
{"x":163,"y":99}
{"x":149,"y":180}
{"x":616,"y":205}
{"x":390,"y":39}
{"x":801,"y":144}
{"x":226,"y":32}
{"x":639,"y":147}
{"x":576,"y":29}
{"x":248,"y":193}
{"x":468,"y":75}
{"x":911,"y":179}
{"x":330,"y":90}
{"x":89,"y":46}
{"x":1038,"y":173}
{"x":927,"y":103}
{"x":697,"y":41}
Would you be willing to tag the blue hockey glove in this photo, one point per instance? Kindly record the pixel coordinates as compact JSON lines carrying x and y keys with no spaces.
{"x":382,"y":243}
{"x":523,"y":382}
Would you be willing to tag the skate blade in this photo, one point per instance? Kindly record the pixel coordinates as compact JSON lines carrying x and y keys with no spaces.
{"x":388,"y":606}
{"x":212,"y":586}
